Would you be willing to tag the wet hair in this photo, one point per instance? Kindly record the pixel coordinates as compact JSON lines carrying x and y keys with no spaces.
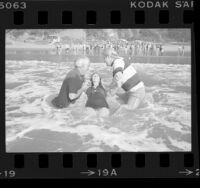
{"x":100,"y":82}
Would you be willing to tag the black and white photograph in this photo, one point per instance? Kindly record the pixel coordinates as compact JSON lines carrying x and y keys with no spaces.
{"x":98,"y":90}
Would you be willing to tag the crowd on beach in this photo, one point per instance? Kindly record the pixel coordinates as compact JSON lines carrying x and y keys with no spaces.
{"x":122,"y":47}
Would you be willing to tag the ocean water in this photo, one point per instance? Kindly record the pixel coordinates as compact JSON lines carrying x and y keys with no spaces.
{"x":161,"y":123}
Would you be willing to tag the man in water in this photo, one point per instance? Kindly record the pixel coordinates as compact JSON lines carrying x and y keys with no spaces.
{"x":73,"y":85}
{"x":126,"y":77}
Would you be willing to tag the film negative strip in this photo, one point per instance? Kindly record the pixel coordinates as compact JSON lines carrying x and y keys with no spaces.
{"x":98,"y":89}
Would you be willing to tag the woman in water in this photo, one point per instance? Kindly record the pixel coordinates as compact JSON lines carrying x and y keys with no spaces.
{"x":96,"y":97}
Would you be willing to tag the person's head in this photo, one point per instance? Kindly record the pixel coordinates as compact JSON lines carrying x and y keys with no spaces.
{"x":82,"y":64}
{"x":110,"y":55}
{"x":96,"y":80}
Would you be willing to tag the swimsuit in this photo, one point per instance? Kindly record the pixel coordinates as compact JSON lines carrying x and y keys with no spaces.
{"x":96,"y":98}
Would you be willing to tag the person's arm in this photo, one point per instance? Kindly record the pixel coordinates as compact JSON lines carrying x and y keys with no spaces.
{"x":73,"y":96}
{"x":113,"y":87}
{"x":115,"y":84}
{"x":118,"y":68}
{"x":76,"y":95}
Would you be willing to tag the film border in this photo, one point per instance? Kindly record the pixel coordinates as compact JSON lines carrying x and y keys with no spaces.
{"x":98,"y":165}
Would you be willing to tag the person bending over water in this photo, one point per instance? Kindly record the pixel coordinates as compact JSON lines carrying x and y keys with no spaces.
{"x":73,"y":85}
{"x":96,"y":96}
{"x":126,"y":77}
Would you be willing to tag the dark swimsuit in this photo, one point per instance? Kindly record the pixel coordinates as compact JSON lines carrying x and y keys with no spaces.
{"x":96,"y":98}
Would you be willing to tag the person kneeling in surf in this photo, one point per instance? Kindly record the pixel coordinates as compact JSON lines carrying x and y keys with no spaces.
{"x":126,"y":77}
{"x":73,"y":85}
{"x":96,"y":96}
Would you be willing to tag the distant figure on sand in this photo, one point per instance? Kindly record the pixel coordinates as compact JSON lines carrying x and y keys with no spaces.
{"x":96,"y":96}
{"x":126,"y":77}
{"x":181,"y":50}
{"x":73,"y":85}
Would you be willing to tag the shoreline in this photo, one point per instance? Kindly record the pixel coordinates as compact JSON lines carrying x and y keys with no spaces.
{"x":41,"y":52}
{"x":35,"y":46}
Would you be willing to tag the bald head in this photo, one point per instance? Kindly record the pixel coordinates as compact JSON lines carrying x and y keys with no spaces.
{"x":82,"y":64}
{"x":82,"y":61}
{"x":110,"y":52}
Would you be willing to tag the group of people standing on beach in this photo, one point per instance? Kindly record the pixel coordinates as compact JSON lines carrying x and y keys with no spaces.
{"x":124,"y":76}
{"x":132,"y":48}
